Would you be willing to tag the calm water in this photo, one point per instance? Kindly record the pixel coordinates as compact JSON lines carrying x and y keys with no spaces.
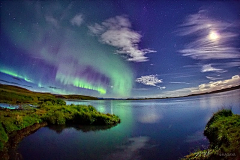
{"x":152,"y":129}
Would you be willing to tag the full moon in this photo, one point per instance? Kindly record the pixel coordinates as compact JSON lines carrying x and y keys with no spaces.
{"x":213,"y":35}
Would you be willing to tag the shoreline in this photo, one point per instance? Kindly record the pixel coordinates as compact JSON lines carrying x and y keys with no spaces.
{"x":223,"y":133}
{"x":18,"y":95}
{"x":10,"y":148}
{"x":15,"y":124}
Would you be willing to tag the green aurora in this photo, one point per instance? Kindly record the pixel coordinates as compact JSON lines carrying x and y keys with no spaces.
{"x":67,"y":51}
{"x":14,"y":74}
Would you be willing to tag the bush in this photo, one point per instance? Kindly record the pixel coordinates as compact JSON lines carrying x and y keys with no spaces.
{"x":48,"y":103}
{"x":223,"y":132}
{"x":221,"y":113}
{"x":83,"y":118}
{"x":60,"y":119}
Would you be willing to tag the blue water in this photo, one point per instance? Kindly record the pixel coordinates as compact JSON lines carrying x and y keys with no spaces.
{"x":165,"y":129}
{"x":16,"y":106}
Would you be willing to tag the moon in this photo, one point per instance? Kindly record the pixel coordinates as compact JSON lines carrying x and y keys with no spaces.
{"x":213,"y":35}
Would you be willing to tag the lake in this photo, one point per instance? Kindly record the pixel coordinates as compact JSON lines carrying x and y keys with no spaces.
{"x":165,"y":129}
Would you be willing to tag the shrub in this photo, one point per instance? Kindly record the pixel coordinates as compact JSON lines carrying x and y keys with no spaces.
{"x":221,"y":113}
{"x":83,"y":118}
{"x":60,"y":119}
{"x":48,"y":103}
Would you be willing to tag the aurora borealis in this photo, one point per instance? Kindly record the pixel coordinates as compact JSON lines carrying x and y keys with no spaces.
{"x":120,"y":48}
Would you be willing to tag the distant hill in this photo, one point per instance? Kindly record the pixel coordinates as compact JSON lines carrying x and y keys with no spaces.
{"x":77,"y":97}
{"x":14,"y":94}
{"x":13,"y":88}
{"x":217,"y":91}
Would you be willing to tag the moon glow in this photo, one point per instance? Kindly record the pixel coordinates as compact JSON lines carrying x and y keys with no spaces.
{"x":213,"y":36}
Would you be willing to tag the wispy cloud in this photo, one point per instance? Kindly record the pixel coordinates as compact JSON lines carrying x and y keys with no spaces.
{"x":164,"y":87}
{"x":214,"y":38}
{"x":150,"y":80}
{"x":77,"y":20}
{"x":213,"y":78}
{"x":117,"y":32}
{"x":209,"y":68}
{"x":205,"y":87}
{"x":229,"y":64}
{"x":211,"y":86}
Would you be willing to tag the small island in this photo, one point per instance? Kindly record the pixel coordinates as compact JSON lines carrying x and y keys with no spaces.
{"x":37,"y":110}
{"x":223,"y":133}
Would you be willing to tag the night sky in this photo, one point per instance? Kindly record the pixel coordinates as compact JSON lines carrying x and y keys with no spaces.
{"x":120,"y":49}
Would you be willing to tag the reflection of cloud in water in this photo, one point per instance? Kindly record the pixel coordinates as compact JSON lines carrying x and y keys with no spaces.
{"x":130,"y":150}
{"x":150,"y":114}
{"x":150,"y":118}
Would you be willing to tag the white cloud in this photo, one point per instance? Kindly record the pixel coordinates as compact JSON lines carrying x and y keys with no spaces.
{"x":77,"y":20}
{"x":205,"y":87}
{"x":209,"y":68}
{"x":117,"y":32}
{"x":213,"y":78}
{"x":96,"y":29}
{"x":162,"y":87}
{"x":217,"y":85}
{"x":150,"y":80}
{"x":206,"y":46}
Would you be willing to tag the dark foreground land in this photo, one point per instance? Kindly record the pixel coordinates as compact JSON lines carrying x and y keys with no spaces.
{"x":223,"y":133}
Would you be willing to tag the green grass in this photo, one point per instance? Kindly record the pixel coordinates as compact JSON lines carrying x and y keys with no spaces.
{"x":56,"y":114}
{"x":223,"y":132}
{"x":17,"y":95}
{"x":15,"y":124}
{"x":79,"y":114}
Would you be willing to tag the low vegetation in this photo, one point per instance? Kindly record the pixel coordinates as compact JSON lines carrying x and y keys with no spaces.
{"x":17,"y":95}
{"x":223,"y":132}
{"x":50,"y":111}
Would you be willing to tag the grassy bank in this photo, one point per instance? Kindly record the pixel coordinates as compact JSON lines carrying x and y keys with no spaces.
{"x":50,"y":110}
{"x":17,"y":95}
{"x":223,"y":132}
{"x":57,"y":114}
